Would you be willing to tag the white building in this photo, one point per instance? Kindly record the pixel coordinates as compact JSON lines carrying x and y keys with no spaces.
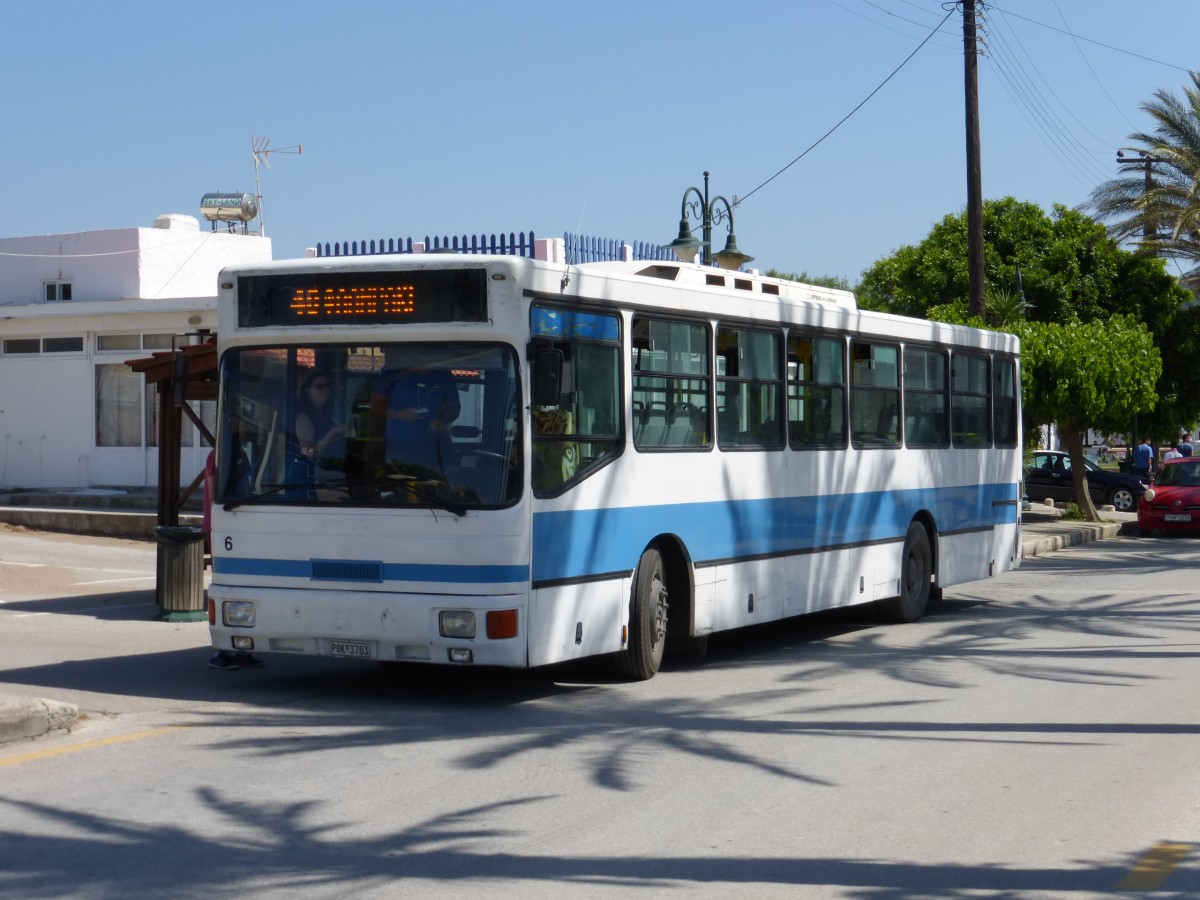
{"x":73,"y":309}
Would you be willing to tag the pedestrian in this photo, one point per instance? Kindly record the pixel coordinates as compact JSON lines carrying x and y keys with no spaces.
{"x":234,"y":659}
{"x":1185,"y":445}
{"x":1172,"y":453}
{"x":1143,"y":457}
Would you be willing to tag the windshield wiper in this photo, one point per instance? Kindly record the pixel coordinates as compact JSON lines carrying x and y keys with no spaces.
{"x":280,"y":488}
{"x":430,"y":497}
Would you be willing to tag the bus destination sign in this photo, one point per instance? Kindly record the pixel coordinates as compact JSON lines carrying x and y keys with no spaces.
{"x":417,"y":296}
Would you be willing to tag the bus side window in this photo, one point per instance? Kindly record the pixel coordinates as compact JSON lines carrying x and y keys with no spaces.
{"x":577,"y":431}
{"x":554,"y":461}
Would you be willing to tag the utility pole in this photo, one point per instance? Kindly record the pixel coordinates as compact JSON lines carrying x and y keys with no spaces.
{"x":974,"y":171}
{"x":1149,"y":228}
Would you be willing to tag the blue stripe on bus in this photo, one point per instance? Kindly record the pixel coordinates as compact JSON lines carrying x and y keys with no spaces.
{"x":438,"y":574}
{"x":578,"y":543}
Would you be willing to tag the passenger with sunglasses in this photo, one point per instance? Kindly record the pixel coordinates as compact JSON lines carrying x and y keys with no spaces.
{"x":315,"y":427}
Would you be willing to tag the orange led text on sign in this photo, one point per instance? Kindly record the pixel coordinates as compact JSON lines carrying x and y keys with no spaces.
{"x":350,"y":302}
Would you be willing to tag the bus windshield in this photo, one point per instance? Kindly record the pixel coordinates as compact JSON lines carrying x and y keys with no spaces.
{"x":417,"y":424}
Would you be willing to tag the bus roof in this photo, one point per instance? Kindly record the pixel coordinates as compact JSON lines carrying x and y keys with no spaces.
{"x":690,"y":274}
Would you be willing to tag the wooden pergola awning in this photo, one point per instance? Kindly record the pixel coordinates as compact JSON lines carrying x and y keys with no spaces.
{"x":182,"y":375}
{"x":201,"y":368}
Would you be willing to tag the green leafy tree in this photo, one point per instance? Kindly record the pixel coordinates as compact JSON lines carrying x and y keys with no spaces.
{"x":1071,"y":270}
{"x":829,"y":281}
{"x":1085,"y":375}
{"x":1067,"y":261}
{"x":1164,"y":215}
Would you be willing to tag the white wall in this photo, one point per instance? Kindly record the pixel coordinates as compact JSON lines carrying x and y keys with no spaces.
{"x":125,"y":281}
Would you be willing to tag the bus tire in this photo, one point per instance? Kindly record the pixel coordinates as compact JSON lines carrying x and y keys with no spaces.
{"x":916,"y":574}
{"x":647,"y":620}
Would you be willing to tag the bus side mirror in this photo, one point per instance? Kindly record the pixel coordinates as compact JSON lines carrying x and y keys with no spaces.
{"x":547,"y":376}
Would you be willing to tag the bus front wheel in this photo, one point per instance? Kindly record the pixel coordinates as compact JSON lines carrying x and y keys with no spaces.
{"x":647,"y":620}
{"x":916,"y":575}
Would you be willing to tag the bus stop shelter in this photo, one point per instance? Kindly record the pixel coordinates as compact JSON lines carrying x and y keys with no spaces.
{"x":180,"y":377}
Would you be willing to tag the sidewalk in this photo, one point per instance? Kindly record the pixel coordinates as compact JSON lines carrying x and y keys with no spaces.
{"x":84,"y":512}
{"x":115,"y":513}
{"x":1044,"y":531}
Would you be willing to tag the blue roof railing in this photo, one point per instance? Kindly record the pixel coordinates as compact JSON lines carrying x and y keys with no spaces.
{"x":577,"y":248}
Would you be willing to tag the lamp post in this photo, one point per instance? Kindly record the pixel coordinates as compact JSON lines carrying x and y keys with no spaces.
{"x":708,"y":213}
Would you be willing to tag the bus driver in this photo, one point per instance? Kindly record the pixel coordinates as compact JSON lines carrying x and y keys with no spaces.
{"x":417,"y":402}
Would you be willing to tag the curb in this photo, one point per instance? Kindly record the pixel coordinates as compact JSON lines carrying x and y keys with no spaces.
{"x":133,"y":525}
{"x":20,"y":719}
{"x":1069,"y":535}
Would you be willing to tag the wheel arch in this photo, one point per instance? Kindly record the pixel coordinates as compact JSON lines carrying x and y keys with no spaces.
{"x":681,"y":586}
{"x":925,"y":519}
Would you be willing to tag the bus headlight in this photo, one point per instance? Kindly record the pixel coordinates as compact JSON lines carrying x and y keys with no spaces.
{"x":456,"y":623}
{"x":238,"y":613}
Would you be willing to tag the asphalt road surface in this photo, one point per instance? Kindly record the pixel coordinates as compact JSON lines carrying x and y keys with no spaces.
{"x":1035,"y":736}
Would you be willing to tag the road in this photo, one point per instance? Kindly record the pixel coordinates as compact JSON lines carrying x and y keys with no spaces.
{"x":1034,"y":737}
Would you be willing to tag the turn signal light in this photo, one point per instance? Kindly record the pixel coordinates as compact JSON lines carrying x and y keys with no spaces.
{"x":501,"y":624}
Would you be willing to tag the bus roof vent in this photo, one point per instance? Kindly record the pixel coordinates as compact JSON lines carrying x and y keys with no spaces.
{"x":668,"y":273}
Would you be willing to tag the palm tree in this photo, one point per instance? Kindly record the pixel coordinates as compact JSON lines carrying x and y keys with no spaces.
{"x":1161,"y":204}
{"x":1004,"y":308}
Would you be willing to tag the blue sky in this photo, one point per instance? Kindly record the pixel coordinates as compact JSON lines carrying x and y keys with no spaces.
{"x":452,"y":117}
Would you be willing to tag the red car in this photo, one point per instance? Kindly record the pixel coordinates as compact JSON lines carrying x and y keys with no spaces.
{"x":1172,"y":502}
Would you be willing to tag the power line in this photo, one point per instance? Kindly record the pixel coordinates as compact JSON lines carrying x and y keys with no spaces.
{"x":884,"y":25}
{"x":1090,"y":41}
{"x":1050,"y":88}
{"x":849,"y":114}
{"x":1069,"y":148}
{"x":1090,"y":69}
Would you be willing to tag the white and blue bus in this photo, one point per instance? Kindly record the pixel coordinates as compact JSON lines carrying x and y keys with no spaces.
{"x":518,"y":463}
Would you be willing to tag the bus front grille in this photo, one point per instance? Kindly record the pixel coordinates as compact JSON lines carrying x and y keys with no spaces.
{"x":346,"y":570}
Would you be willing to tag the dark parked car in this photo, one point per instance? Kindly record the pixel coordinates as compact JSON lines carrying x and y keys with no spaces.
{"x":1173,"y":501}
{"x":1050,"y":476}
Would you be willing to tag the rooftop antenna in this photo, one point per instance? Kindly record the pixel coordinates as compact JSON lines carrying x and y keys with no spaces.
{"x":260,"y":148}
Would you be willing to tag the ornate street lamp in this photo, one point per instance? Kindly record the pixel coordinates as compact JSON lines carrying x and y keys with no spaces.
{"x":707,"y":213}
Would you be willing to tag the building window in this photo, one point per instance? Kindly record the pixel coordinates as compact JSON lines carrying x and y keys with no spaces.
{"x":118,"y":342}
{"x":58,"y":290}
{"x":157,"y":342}
{"x":62,"y":345}
{"x":13,"y":346}
{"x":118,"y":406}
{"x":188,"y":433}
{"x":22,"y":345}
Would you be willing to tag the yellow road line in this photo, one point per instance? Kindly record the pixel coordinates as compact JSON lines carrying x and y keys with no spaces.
{"x":1149,"y":873}
{"x":87,"y":745}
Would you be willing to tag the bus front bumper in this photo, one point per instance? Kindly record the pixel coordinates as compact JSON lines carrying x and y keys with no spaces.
{"x":452,"y":629}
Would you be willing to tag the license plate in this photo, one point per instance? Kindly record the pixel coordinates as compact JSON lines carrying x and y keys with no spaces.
{"x":1177,"y":517}
{"x":357,"y":649}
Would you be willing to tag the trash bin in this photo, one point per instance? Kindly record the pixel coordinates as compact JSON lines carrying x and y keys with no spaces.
{"x":180,"y":588}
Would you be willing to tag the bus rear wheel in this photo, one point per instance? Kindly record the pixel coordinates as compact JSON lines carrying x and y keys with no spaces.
{"x":643,"y":655}
{"x":916,"y":575}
